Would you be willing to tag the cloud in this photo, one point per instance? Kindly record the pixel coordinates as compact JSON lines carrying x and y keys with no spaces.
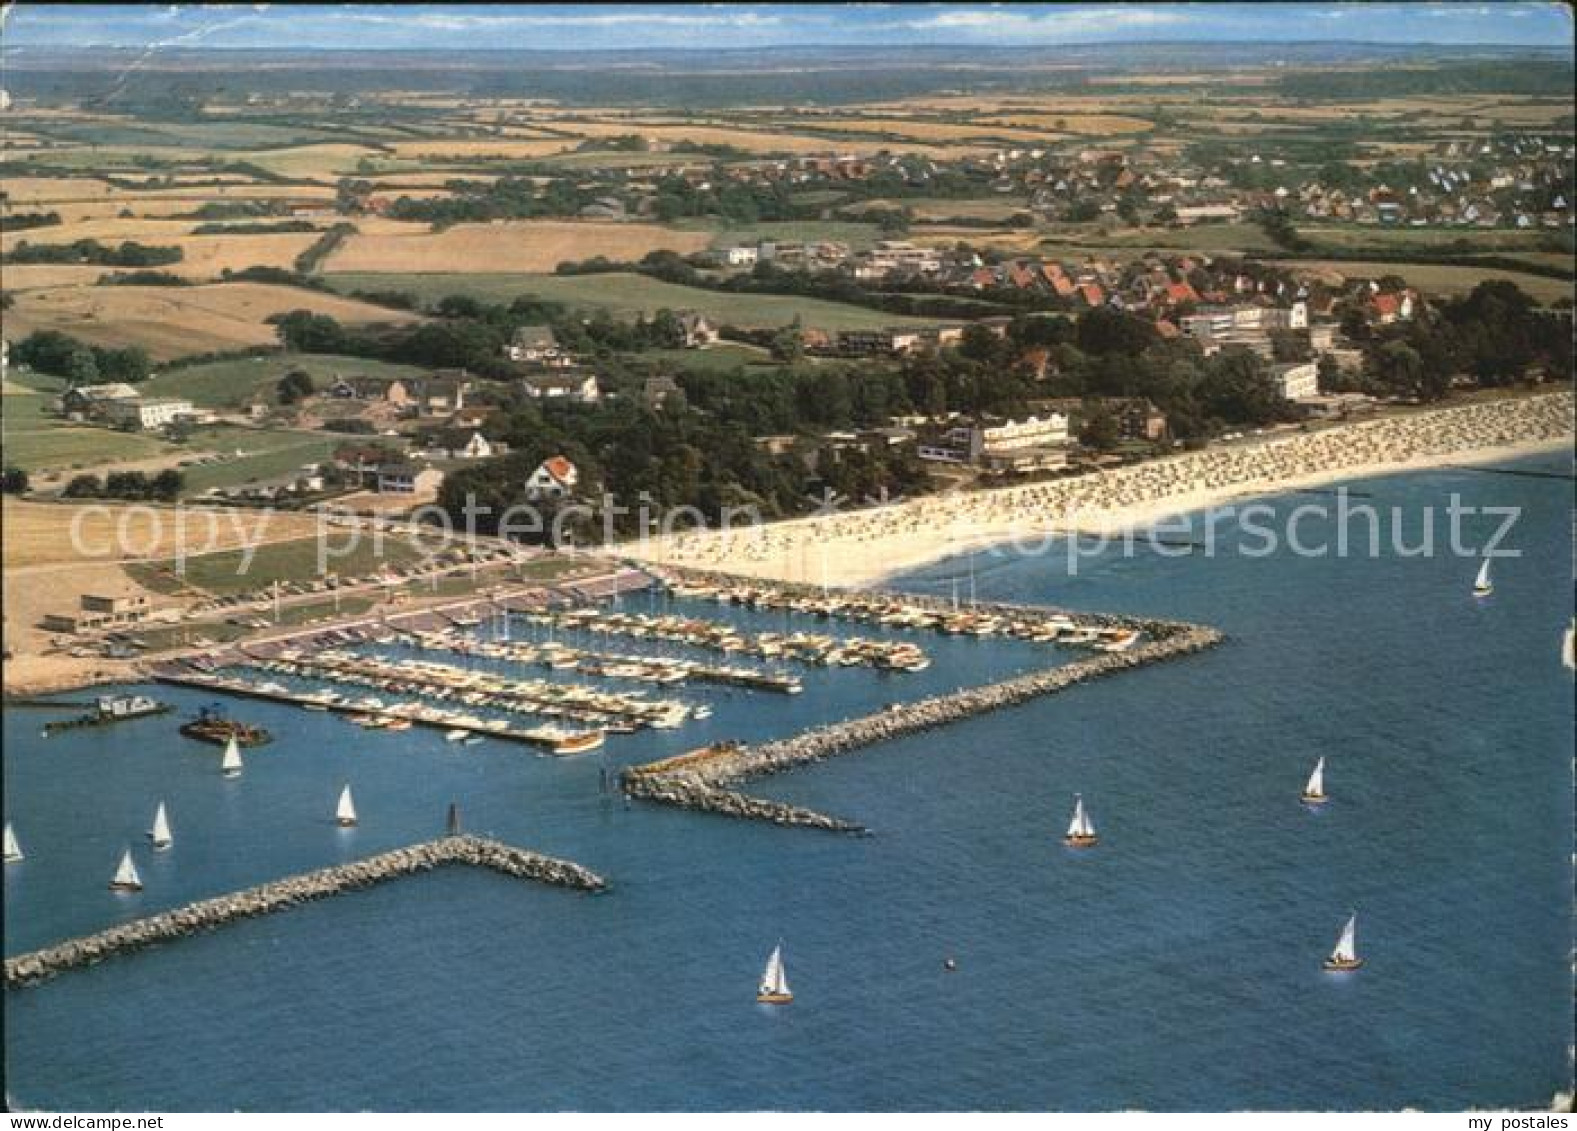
{"x":456,"y":21}
{"x":1066,"y":21}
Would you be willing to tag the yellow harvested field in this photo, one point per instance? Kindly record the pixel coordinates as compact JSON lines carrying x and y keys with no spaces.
{"x":1089,"y":125}
{"x":111,"y":229}
{"x":525,"y":245}
{"x":751,"y":140}
{"x":919,"y":130}
{"x":207,"y":256}
{"x":33,"y":276}
{"x":482,"y":147}
{"x":35,"y":190}
{"x":172,"y":322}
{"x":42,"y":533}
{"x":329,"y":159}
{"x":435,"y":179}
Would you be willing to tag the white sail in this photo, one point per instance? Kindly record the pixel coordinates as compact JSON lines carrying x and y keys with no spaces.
{"x":773,"y":979}
{"x":1481,"y":584}
{"x":1346,"y":946}
{"x":1566,"y":645}
{"x":160,"y":833}
{"x":126,"y":874}
{"x":1081,"y":825}
{"x":346,"y":812}
{"x":1316,"y":786}
{"x":13,"y":850}
{"x":231,"y":765}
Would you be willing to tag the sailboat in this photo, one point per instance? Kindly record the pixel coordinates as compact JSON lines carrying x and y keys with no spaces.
{"x":774,"y":988}
{"x":345,"y":814}
{"x":1081,"y":830}
{"x":231,"y":764}
{"x":1314,"y":792}
{"x":13,"y":850}
{"x":1566,"y":645}
{"x":126,"y":878}
{"x":1481,"y":585}
{"x":160,"y":833}
{"x":1345,"y":956}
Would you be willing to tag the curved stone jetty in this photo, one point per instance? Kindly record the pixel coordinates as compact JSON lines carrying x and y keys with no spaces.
{"x":280,"y":895}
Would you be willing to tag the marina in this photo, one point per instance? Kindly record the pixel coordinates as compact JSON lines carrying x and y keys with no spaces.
{"x":1185,"y":776}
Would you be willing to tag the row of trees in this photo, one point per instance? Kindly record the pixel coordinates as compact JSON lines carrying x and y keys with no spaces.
{"x":128,"y":254}
{"x":132,"y":485}
{"x":61,"y":355}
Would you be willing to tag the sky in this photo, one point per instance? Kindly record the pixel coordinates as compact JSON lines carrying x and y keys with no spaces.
{"x":593,"y":27}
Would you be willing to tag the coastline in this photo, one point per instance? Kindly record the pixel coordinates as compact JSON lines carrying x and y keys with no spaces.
{"x":1140,"y":516}
{"x":871,"y":547}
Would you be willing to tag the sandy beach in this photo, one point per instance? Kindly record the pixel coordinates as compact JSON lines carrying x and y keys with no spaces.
{"x":866,"y":547}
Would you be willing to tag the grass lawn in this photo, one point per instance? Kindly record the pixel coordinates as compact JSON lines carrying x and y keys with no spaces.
{"x":295,"y":560}
{"x":1440,"y":279}
{"x":626,"y":295}
{"x":231,"y":384}
{"x":264,"y":460}
{"x":34,"y":444}
{"x":854,"y":233}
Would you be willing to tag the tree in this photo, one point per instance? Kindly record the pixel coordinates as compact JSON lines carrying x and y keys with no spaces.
{"x":47,"y":351}
{"x":167,"y":485}
{"x":129,"y":365}
{"x":1399,"y":369}
{"x":306,"y":332}
{"x":84,"y":487}
{"x":82,"y":367}
{"x":1100,"y":431}
{"x":13,"y":481}
{"x":295,"y":386}
{"x":980,"y":343}
{"x":788,"y":344}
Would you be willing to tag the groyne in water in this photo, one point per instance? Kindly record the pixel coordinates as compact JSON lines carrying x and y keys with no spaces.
{"x":280,"y":895}
{"x":702,"y":781}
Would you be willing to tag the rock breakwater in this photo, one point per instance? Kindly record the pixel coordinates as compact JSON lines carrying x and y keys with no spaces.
{"x":704,"y":782}
{"x":280,"y":895}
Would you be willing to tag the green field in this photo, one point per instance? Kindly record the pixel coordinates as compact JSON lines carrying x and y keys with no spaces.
{"x":1439,"y":279}
{"x":627,"y":295}
{"x":295,"y":560}
{"x":267,"y":455}
{"x":857,"y":235}
{"x":233,"y":383}
{"x":35,"y":446}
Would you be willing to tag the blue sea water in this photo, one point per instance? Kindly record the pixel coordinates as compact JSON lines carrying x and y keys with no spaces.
{"x":1176,"y":967}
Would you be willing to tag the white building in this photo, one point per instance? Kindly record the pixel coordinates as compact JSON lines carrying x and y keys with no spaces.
{"x":477,"y":447}
{"x":740,"y":256}
{"x":572,"y":384}
{"x":1297,"y":380}
{"x":146,"y":414}
{"x":554,"y":478}
{"x":1014,"y":435}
